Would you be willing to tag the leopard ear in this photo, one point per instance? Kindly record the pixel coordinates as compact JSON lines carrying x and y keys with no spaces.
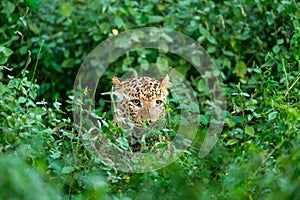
{"x":116,"y":81}
{"x":165,"y":82}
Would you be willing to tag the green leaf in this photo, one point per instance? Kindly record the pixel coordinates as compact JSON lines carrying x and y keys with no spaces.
{"x":246,"y":35}
{"x":203,"y":119}
{"x":104,"y":123}
{"x":232,"y":141}
{"x":67,"y":169}
{"x":272,"y":115}
{"x":122,"y":42}
{"x":161,"y":61}
{"x":228,"y":53}
{"x":57,"y":67}
{"x":35,"y":4}
{"x":21,"y":100}
{"x":276,"y":49}
{"x":66,"y":9}
{"x":56,"y":105}
{"x":55,"y":155}
{"x":280,"y":41}
{"x":162,"y":145}
{"x":241,"y":68}
{"x":196,"y":60}
{"x":249,"y":130}
{"x":211,"y":49}
{"x":203,"y":31}
{"x":163,"y":46}
{"x":182,"y":69}
{"x":155,"y":19}
{"x":202,"y":87}
{"x":5,"y":53}
{"x":2,"y":87}
{"x":270,"y":18}
{"x":168,"y":38}
{"x":33,"y":27}
{"x":8,"y":7}
{"x":212,"y":40}
{"x":260,"y":8}
{"x":238,"y":119}
{"x":68,"y":63}
{"x":245,"y":94}
{"x":118,"y":22}
{"x":297,"y":14}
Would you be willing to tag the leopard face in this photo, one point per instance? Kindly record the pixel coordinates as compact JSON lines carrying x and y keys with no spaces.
{"x":141,"y":101}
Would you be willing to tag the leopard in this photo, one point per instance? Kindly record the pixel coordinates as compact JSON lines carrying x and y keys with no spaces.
{"x":141,"y":102}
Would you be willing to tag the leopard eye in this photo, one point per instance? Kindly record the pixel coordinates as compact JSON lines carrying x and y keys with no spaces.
{"x":158,"y":102}
{"x":136,"y":102}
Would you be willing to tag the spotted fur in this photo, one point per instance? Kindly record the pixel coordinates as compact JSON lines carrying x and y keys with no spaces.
{"x":140,"y":101}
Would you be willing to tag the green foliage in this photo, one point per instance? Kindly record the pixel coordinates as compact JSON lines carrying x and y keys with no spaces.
{"x":255,"y":45}
{"x":18,"y":180}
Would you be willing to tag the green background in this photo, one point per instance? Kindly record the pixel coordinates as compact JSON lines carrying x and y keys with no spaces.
{"x":255,"y":45}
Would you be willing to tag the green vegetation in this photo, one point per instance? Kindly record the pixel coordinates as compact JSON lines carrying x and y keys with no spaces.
{"x":255,"y":45}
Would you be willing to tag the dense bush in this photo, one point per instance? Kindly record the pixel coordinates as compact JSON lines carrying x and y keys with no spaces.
{"x":256,"y":46}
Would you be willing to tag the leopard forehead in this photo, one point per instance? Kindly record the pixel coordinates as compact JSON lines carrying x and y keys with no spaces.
{"x":144,"y":88}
